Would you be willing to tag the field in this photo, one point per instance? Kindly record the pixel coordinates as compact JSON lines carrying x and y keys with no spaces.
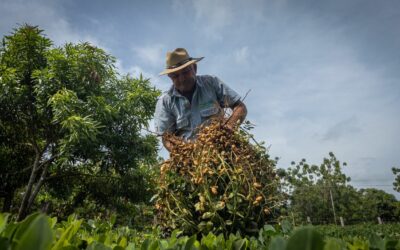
{"x":39,"y":231}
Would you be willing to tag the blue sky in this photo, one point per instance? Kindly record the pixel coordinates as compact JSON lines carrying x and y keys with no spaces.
{"x":323,"y":75}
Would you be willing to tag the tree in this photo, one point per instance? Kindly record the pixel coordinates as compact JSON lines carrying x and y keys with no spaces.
{"x":73,"y":111}
{"x":396,"y":183}
{"x":378,"y":203}
{"x":323,"y":192}
{"x":314,"y":189}
{"x":21,"y":54}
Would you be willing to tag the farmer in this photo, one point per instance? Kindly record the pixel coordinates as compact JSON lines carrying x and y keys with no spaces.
{"x":193,"y":99}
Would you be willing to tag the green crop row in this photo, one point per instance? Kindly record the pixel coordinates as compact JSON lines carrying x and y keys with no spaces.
{"x":39,"y":231}
{"x":366,"y":230}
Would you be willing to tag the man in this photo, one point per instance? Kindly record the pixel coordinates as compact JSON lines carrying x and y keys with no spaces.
{"x":192,"y":99}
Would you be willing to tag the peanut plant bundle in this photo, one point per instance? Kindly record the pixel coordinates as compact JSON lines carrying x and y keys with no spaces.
{"x":219,"y":183}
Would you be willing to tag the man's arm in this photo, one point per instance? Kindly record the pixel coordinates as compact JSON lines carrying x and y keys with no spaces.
{"x":227,"y":97}
{"x":239,"y":112}
{"x":164,"y":121}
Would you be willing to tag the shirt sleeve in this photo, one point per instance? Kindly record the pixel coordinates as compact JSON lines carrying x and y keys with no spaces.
{"x":163,"y":118}
{"x":227,"y":97}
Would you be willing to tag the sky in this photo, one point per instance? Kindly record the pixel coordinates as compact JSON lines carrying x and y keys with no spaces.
{"x":321,"y":76}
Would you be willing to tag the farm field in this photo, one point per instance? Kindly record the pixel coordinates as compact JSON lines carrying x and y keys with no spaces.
{"x":39,"y":231}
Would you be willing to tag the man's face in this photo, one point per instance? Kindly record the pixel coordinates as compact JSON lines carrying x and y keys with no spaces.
{"x":184,"y":79}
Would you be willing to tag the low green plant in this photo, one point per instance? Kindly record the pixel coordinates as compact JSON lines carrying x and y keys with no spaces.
{"x":40,"y":232}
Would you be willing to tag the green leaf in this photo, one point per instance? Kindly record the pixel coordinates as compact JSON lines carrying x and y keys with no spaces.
{"x":4,"y":243}
{"x":268,"y":230}
{"x":10,"y":230}
{"x":207,"y":215}
{"x":209,"y":225}
{"x":153,"y":245}
{"x":67,"y":234}
{"x":190,"y":243}
{"x":52,"y":221}
{"x":239,"y":244}
{"x":22,"y":226}
{"x":3,"y":221}
{"x":334,"y":244}
{"x":202,"y":225}
{"x":377,"y":242}
{"x":277,"y":243}
{"x":38,"y":235}
{"x":392,"y":244}
{"x":286,"y":226}
{"x":118,"y":248}
{"x":113,"y":219}
{"x":123,"y":242}
{"x":358,"y":244}
{"x":70,"y":247}
{"x":97,"y":246}
{"x":145,"y":245}
{"x":306,"y":239}
{"x":131,"y":246}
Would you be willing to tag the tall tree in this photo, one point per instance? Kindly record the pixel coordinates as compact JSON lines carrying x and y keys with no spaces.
{"x":317,"y":191}
{"x":73,"y":111}
{"x":377,"y":203}
{"x":22,"y":54}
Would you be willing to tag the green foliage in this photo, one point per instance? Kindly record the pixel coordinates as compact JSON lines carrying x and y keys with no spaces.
{"x":71,"y":123}
{"x":323,"y":192}
{"x":374,"y":203}
{"x":396,"y":183}
{"x":367,"y":230}
{"x":32,"y":233}
{"x":38,"y":231}
{"x":20,"y":55}
{"x":306,"y":238}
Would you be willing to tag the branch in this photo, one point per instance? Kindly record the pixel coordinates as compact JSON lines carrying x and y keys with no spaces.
{"x":37,"y":187}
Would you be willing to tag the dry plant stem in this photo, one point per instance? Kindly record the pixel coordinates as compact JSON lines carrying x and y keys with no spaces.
{"x":221,"y":169}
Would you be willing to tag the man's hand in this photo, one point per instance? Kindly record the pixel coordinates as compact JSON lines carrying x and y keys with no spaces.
{"x":239,"y":112}
{"x":170,"y":141}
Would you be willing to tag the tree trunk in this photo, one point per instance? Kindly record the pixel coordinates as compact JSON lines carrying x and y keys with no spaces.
{"x":24,"y":204}
{"x":38,"y":186}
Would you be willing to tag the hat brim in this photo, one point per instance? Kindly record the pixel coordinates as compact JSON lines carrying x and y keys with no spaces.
{"x":169,"y":71}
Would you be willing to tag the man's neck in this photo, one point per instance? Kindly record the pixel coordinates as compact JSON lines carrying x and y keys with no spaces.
{"x":189,"y":94}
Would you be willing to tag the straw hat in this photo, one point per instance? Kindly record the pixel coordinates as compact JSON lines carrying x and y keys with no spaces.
{"x":177,"y":60}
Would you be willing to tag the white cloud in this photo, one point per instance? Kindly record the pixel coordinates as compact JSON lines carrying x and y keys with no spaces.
{"x":160,"y":82}
{"x":47,"y":15}
{"x":242,"y":55}
{"x":152,"y":55}
{"x":211,"y":17}
{"x":217,"y":14}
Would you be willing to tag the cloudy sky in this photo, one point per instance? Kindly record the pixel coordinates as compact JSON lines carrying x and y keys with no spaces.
{"x":323,"y":75}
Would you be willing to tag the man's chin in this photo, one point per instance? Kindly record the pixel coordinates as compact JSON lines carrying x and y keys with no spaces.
{"x":185,"y":89}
